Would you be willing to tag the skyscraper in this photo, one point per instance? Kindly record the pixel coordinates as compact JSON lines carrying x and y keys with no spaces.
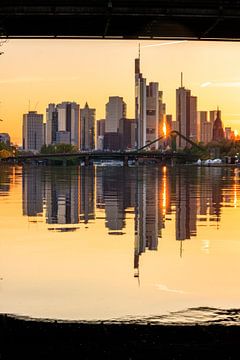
{"x":186,"y":114}
{"x":205,"y":127}
{"x":218,"y":133}
{"x":140,"y":104}
{"x":127,"y":132}
{"x":32,"y":131}
{"x":51,"y":124}
{"x":87,"y":128}
{"x":116,"y":109}
{"x":69,"y":120}
{"x":100,"y":133}
{"x":152,"y":118}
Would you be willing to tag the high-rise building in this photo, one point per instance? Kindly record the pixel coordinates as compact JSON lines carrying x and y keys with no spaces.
{"x":87,"y":128}
{"x":101,"y":127}
{"x":218,"y":133}
{"x":169,"y":121}
{"x":204,"y":127}
{"x":162,"y":113}
{"x":69,"y":120}
{"x":116,"y":109}
{"x":229,"y":134}
{"x":5,"y":138}
{"x":186,"y":115}
{"x":152,"y":118}
{"x":140,"y":105}
{"x":100,"y":133}
{"x":127,"y":131}
{"x":51,"y":124}
{"x":213,"y":115}
{"x":193,"y":118}
{"x":32,"y":131}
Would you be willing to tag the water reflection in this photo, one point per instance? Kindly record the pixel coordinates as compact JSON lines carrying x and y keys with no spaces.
{"x":73,"y":237}
{"x":153,"y":195}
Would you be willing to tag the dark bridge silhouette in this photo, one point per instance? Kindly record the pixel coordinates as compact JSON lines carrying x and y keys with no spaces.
{"x":121,"y":19}
{"x":88,"y":157}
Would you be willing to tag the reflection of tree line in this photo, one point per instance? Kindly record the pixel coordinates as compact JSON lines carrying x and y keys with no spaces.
{"x":72,"y":195}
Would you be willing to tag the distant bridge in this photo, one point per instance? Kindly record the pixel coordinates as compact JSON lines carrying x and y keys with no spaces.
{"x":89,"y":156}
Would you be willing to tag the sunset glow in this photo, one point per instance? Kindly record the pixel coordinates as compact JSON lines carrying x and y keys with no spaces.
{"x":34,"y":73}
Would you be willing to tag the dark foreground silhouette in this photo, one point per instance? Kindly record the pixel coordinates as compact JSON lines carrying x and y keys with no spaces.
{"x":32,"y":339}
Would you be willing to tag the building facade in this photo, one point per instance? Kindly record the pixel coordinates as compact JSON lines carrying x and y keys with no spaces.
{"x":186,"y":115}
{"x":87,"y":128}
{"x":152,"y":114}
{"x":51,"y":124}
{"x":116,"y":109}
{"x":32,"y":131}
{"x":140,"y":105}
{"x":218,"y":133}
{"x":69,"y":121}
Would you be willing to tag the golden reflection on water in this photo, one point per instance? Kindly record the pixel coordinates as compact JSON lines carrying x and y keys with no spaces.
{"x":100,"y":243}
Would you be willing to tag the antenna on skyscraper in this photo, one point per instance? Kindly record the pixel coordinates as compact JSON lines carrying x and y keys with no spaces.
{"x":139,"y":50}
{"x":181,"y":79}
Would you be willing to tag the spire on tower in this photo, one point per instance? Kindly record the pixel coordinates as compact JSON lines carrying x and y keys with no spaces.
{"x":181,"y":79}
{"x":139,"y":51}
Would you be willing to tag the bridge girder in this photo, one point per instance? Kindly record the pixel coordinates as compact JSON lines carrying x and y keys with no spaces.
{"x":135,"y":19}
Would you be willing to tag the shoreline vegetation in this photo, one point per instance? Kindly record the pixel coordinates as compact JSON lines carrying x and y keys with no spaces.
{"x":39,"y":339}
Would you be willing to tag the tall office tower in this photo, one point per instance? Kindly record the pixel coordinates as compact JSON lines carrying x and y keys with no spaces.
{"x":193,"y":118}
{"x":152,"y":118}
{"x":69,"y":120}
{"x":32,"y":131}
{"x":229,"y":134}
{"x":127,"y":132}
{"x":51,"y":124}
{"x":87,"y":128}
{"x":100,"y":133}
{"x":169,"y":121}
{"x":140,"y":105}
{"x":162,"y":112}
{"x":116,"y":109}
{"x":205,"y":127}
{"x":186,"y":114}
{"x":101,"y":127}
{"x":213,"y":115}
{"x":218,"y":133}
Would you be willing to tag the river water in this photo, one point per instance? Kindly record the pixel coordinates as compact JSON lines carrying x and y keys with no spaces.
{"x":144,"y":244}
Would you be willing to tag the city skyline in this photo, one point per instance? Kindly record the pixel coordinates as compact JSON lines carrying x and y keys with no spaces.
{"x":211,"y":72}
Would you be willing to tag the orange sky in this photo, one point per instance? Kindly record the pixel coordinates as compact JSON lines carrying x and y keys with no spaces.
{"x":44,"y":71}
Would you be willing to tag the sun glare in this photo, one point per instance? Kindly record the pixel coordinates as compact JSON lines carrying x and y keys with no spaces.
{"x":164,"y":129}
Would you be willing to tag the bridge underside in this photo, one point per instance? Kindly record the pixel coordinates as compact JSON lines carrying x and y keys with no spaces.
{"x":134,"y":19}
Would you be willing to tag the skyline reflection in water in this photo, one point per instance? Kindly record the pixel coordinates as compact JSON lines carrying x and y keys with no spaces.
{"x":148,"y":208}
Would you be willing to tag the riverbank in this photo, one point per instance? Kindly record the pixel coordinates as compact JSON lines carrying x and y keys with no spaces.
{"x":33,"y":339}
